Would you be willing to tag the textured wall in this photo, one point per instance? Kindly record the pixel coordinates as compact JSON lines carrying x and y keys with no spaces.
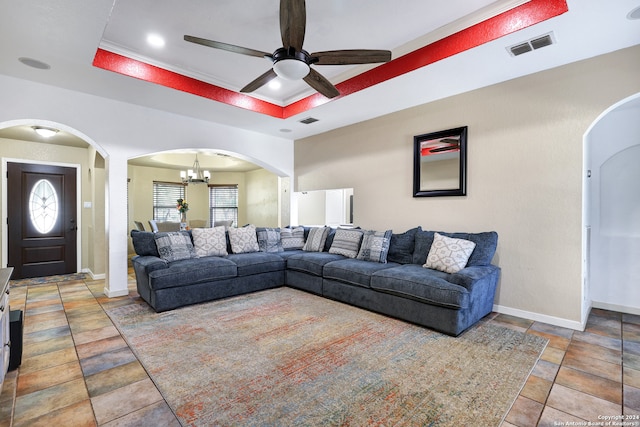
{"x":524,"y":173}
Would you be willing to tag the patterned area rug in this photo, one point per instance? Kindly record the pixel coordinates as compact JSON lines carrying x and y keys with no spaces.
{"x":283,"y":357}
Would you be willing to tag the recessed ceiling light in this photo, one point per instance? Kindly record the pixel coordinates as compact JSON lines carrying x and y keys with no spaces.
{"x":275,"y":84}
{"x":155,"y":40}
{"x":45,"y":132}
{"x":634,"y":14}
{"x":34,"y":63}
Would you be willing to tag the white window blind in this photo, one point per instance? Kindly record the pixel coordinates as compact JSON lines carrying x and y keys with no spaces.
{"x":223,"y":204}
{"x":165,"y":197}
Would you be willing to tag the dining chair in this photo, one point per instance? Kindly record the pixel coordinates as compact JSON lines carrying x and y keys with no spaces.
{"x":197,"y":223}
{"x":168,"y":226}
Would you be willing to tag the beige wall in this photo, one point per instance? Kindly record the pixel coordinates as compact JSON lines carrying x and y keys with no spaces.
{"x":524,"y":173}
{"x":262,"y":198}
{"x":92,"y":182}
{"x":257,"y":195}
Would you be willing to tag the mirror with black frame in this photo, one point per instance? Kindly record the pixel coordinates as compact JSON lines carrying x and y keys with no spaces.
{"x":440,"y":163}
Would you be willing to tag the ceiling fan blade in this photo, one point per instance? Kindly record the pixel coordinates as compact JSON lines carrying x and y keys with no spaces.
{"x":228,"y":47}
{"x":293,"y":20}
{"x":350,"y":56}
{"x":321,"y":84}
{"x":260,"y":81}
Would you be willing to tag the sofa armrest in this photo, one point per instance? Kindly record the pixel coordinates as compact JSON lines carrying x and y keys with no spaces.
{"x":149,"y":263}
{"x":470,"y":275}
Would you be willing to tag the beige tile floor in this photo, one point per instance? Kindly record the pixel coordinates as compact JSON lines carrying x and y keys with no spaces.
{"x":78,"y":371}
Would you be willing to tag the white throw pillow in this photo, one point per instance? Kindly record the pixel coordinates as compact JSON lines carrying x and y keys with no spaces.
{"x":448,"y":254}
{"x":243,"y":240}
{"x":210,"y":241}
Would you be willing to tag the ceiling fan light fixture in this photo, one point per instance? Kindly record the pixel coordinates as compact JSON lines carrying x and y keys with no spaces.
{"x":291,"y":69}
{"x":45,"y":132}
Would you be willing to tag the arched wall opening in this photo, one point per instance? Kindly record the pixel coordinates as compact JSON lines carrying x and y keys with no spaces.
{"x":611,"y":209}
{"x":76,"y":150}
{"x":263,"y":192}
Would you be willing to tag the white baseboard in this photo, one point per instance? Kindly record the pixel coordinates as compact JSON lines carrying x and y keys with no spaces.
{"x":112,"y":294}
{"x":616,"y":307}
{"x":94,"y":276}
{"x":552,"y":320}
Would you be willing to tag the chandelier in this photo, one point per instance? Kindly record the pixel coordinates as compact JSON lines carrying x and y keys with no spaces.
{"x":195,"y":175}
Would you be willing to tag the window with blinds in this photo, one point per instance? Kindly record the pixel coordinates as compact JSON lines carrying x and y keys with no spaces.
{"x":223,"y":204}
{"x":165,"y":196}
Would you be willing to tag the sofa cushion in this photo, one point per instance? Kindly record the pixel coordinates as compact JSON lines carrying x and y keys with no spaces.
{"x":311,"y":262}
{"x":353,"y":271}
{"x":292,"y":238}
{"x":486,"y":244}
{"x":190,"y":271}
{"x":174,"y":245}
{"x":316,"y":239}
{"x":257,"y":262}
{"x":374,"y":246}
{"x":210,"y":241}
{"x":269,"y":239}
{"x":402,"y":245}
{"x":144,"y":243}
{"x":423,"y":242}
{"x":243,"y":240}
{"x":421,"y":284}
{"x":346,"y":242}
{"x":448,"y":254}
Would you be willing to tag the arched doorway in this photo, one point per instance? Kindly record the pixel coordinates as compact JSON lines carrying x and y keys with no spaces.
{"x":612,"y":208}
{"x":68,"y":148}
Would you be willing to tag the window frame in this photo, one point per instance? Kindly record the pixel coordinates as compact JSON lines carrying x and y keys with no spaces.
{"x":226,"y":212}
{"x":168,"y":211}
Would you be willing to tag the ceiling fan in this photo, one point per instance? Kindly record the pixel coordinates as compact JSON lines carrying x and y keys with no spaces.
{"x":291,"y":62}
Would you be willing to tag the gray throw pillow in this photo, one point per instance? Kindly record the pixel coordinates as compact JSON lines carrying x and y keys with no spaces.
{"x":174,"y":245}
{"x":210,"y":241}
{"x":315,"y":240}
{"x":292,"y":238}
{"x":269,"y":239}
{"x":346,"y":242}
{"x":375,"y":246}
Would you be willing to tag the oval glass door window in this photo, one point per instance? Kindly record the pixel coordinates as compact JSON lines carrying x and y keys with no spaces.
{"x":43,"y":206}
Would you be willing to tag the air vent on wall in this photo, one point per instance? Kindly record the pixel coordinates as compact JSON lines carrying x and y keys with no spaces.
{"x":308,"y":120}
{"x":530,"y":45}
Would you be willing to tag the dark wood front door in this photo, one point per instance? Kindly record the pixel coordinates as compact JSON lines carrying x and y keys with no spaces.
{"x":42,"y":223}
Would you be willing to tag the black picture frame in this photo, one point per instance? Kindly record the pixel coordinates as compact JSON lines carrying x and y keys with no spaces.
{"x":440,"y":163}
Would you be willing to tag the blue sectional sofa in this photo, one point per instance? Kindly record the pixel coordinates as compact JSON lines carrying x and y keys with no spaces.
{"x":394,"y":281}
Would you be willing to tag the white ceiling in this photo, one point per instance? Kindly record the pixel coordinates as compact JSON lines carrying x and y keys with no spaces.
{"x":66,"y":34}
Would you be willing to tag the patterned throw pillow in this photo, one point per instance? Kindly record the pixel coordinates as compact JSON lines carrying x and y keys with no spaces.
{"x":243,"y":240}
{"x":269,"y":239}
{"x":346,"y":242}
{"x":375,"y":246}
{"x":174,"y":245}
{"x":210,"y":241}
{"x":316,"y":238}
{"x":448,"y":254}
{"x":292,"y":238}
